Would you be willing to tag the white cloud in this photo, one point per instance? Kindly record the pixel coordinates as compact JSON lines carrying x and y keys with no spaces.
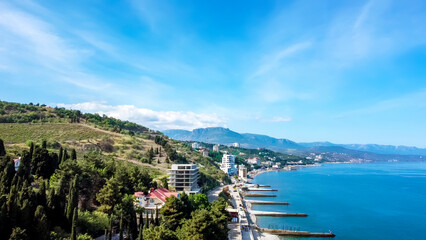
{"x":160,"y":120}
{"x":281,"y":119}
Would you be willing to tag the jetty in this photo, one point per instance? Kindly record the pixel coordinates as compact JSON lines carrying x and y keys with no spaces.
{"x":258,"y":195}
{"x":295,"y":233}
{"x":277,"y":214}
{"x":261,"y":189}
{"x":255,"y":202}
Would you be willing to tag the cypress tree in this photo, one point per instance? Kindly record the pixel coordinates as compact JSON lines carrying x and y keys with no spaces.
{"x":110,"y":227}
{"x":41,"y":199}
{"x":44,"y":144}
{"x":64,"y":156}
{"x":2,"y":149}
{"x":41,"y":226}
{"x":61,"y":153}
{"x":72,"y":199}
{"x":73,"y":155}
{"x":147,"y":220}
{"x":152,"y":217}
{"x":74,"y":225}
{"x":157,"y":222}
{"x":140,"y":237}
{"x":31,"y":150}
{"x":121,"y":227}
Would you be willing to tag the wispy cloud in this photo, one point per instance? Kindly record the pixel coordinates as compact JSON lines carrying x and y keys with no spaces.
{"x":413,"y":100}
{"x":280,"y":119}
{"x":160,"y":120}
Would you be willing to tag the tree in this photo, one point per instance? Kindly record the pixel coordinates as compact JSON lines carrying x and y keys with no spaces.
{"x":18,"y":234}
{"x":73,"y":154}
{"x":74,"y":225}
{"x":44,"y":144}
{"x":41,"y":225}
{"x":200,"y":201}
{"x":121,"y":227}
{"x":172,"y":212}
{"x":72,"y":199}
{"x":2,"y":149}
{"x":157,"y":221}
{"x":159,"y":233}
{"x":109,"y":196}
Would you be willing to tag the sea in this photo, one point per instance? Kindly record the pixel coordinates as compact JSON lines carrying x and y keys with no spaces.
{"x":354,"y":201}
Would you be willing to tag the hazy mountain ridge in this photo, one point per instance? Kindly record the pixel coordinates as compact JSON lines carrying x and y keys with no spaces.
{"x":226,"y":136}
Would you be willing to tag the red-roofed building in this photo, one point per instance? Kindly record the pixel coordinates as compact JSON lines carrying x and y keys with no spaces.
{"x":156,"y":198}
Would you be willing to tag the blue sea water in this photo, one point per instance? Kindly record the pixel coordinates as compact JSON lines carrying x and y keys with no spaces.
{"x":354,"y":201}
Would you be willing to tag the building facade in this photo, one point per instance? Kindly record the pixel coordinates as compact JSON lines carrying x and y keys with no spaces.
{"x":253,"y":161}
{"x":228,"y":164}
{"x":237,"y":145}
{"x":184,"y":178}
{"x":242,"y":171}
{"x":195,"y":145}
{"x":216,"y":148}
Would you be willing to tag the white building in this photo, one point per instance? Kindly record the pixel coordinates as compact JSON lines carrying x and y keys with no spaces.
{"x":17,"y":163}
{"x":228,"y":164}
{"x":216,"y":148}
{"x":236,"y":145}
{"x":205,"y":153}
{"x":242,"y":171}
{"x":277,"y":165}
{"x":254,"y":161}
{"x":195,"y":145}
{"x":184,"y":177}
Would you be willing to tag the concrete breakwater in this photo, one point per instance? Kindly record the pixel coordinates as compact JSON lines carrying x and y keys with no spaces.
{"x":261,"y":189}
{"x":257,"y":195}
{"x":278,"y":214}
{"x":295,"y":233}
{"x":254,"y":202}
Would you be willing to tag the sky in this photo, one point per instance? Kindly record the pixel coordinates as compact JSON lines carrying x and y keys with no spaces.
{"x":339,"y":71}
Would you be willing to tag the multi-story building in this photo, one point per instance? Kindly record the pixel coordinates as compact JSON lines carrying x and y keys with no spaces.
{"x":242,"y":171}
{"x":254,"y":161}
{"x":184,"y":177}
{"x":228,"y":164}
{"x":205,"y":152}
{"x":195,"y":145}
{"x":216,"y":148}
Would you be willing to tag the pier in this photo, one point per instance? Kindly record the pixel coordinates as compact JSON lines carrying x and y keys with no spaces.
{"x":295,"y":233}
{"x":258,"y":195}
{"x":277,"y":214}
{"x":261,"y":189}
{"x":254,"y":202}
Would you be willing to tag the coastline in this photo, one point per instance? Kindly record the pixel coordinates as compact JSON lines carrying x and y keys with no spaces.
{"x":257,"y":234}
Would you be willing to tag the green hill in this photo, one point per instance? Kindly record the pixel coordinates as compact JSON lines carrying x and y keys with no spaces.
{"x":21,"y":124}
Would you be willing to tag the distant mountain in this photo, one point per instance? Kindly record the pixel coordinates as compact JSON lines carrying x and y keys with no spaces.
{"x":375,"y":148}
{"x":226,"y":136}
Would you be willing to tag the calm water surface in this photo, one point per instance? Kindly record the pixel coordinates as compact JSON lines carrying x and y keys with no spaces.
{"x":354,"y":201}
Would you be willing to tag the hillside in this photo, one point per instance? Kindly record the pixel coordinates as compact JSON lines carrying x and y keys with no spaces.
{"x":21,"y":124}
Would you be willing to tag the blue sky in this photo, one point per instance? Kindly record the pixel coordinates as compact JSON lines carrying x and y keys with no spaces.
{"x":341,"y":71}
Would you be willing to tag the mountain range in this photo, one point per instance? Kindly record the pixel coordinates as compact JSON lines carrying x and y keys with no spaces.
{"x":225,"y":136}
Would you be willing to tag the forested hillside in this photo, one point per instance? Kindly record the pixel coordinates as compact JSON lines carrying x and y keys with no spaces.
{"x":79,"y":171}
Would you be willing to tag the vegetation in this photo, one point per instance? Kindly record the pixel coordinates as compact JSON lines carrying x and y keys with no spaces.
{"x":78,"y":173}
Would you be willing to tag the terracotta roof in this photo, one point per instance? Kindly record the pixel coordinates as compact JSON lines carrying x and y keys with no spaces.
{"x":160,"y":193}
{"x":15,"y":160}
